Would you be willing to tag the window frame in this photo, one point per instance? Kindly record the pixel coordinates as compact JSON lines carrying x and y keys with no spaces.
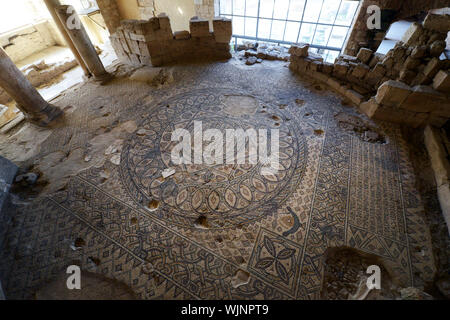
{"x":301,"y":22}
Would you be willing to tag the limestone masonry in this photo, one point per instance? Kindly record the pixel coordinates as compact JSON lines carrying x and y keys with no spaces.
{"x":408,"y":85}
{"x":152,"y":42}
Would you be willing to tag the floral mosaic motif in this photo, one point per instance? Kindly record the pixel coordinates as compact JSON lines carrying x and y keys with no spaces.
{"x":277,"y":260}
{"x":229,"y":194}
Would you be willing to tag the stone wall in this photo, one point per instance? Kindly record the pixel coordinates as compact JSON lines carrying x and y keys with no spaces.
{"x":408,"y":85}
{"x":395,"y":10}
{"x":22,"y":43}
{"x":140,"y":42}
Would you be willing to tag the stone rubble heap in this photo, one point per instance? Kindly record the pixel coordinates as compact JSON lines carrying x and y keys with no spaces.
{"x":409,"y":85}
{"x":140,"y":42}
{"x":255,"y":52}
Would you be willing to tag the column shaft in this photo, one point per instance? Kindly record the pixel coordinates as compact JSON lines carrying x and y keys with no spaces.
{"x":51,"y":5}
{"x":28,"y":100}
{"x":80,"y":38}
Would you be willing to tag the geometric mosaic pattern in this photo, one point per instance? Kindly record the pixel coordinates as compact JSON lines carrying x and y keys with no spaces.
{"x":334,"y":190}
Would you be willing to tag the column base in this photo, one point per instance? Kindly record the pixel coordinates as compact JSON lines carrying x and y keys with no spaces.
{"x":104,"y":78}
{"x":46,"y":117}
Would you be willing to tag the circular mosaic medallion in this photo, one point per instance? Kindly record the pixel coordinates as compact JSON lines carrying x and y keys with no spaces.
{"x":227,"y":194}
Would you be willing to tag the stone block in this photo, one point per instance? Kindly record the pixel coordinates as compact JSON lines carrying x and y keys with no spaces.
{"x":327,"y":68}
{"x":437,"y":48}
{"x":222,"y":30}
{"x":347,"y":58}
{"x":319,"y":76}
{"x":299,"y":50}
{"x":364,"y":55}
{"x":437,"y":22}
{"x":419,"y":52}
{"x":316,"y":65}
{"x":337,"y":86}
{"x":388,"y":62}
{"x":411,"y":63}
{"x":421,"y":79}
{"x":143,"y":48}
{"x":392,"y":93}
{"x":182,"y":35}
{"x":360,"y":71}
{"x":354,"y":96}
{"x":407,"y":76}
{"x":199,"y":28}
{"x":432,"y":68}
{"x":376,"y":58}
{"x":395,"y":115}
{"x":412,"y":35}
{"x":369,"y":107}
{"x":441,"y":81}
{"x":341,"y":69}
{"x":423,"y":99}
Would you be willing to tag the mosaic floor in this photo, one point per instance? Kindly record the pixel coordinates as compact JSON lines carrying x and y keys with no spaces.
{"x":333,"y":189}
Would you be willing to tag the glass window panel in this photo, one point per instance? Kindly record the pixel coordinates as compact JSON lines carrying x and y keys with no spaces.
{"x":296,"y":10}
{"x":238,"y":7}
{"x":312,"y":10}
{"x":225,"y":7}
{"x":251,"y":8}
{"x":347,"y":12}
{"x":238,"y":26}
{"x":307,"y":32}
{"x":291,"y":33}
{"x":264,"y":28}
{"x":266,"y":8}
{"x":338,"y":36}
{"x":329,"y":11}
{"x":321,"y":35}
{"x":331,"y":56}
{"x":281,"y":9}
{"x":250,"y":27}
{"x":277,"y":30}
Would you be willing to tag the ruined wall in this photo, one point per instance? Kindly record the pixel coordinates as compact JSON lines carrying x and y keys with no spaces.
{"x":408,"y":85}
{"x":23,"y":42}
{"x":395,"y":10}
{"x":153,"y":42}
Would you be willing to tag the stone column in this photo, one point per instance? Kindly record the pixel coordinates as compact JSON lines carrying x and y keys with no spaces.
{"x":80,"y":38}
{"x":51,"y":5}
{"x":28,"y":100}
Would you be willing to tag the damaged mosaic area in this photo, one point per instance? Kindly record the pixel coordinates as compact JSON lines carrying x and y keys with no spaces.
{"x":262,"y":238}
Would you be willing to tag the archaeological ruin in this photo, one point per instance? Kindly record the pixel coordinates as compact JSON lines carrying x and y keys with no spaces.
{"x":224,"y":150}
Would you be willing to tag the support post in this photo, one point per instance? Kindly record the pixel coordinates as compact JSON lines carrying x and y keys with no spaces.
{"x":28,"y":100}
{"x":80,"y":38}
{"x":51,"y":5}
